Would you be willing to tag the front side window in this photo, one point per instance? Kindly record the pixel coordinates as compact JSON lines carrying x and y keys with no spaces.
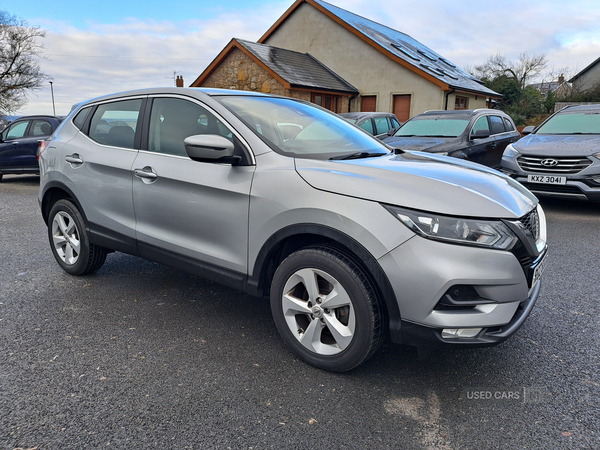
{"x":577,"y":122}
{"x":115,"y":123}
{"x":17,"y":130}
{"x":480,"y":124}
{"x":381,"y":125}
{"x":433,"y":125}
{"x":321,"y":135}
{"x":174,"y":119}
{"x":367,"y":125}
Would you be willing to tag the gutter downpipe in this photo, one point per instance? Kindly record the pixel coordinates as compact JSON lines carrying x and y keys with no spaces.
{"x":447,"y":95}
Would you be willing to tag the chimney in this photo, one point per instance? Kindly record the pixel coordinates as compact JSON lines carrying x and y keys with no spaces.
{"x":561,"y":79}
{"x":179,"y":81}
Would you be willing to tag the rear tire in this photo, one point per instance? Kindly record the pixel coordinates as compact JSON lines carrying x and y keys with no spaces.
{"x":326,"y":309}
{"x":70,"y":242}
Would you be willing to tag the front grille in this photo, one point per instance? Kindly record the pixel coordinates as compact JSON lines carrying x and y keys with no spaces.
{"x":531,"y":223}
{"x":562,"y":165}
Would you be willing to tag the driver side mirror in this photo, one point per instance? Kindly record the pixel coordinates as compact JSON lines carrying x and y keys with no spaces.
{"x":211,"y":148}
{"x":481,"y":134}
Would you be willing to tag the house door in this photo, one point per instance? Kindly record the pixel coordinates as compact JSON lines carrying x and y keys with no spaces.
{"x":368,"y":103}
{"x":326,"y":101}
{"x":402,"y":107}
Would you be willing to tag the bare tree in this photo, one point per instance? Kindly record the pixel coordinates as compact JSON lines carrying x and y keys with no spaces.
{"x":20,"y":71}
{"x":522,"y":71}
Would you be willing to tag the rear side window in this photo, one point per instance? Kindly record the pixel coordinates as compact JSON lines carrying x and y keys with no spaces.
{"x":115,"y":123}
{"x":40,"y":128}
{"x":497,"y":124}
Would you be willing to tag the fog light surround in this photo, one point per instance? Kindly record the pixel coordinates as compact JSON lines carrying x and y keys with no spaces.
{"x":457,"y":333}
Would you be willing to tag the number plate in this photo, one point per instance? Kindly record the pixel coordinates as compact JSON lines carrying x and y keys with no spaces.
{"x":546,"y":179}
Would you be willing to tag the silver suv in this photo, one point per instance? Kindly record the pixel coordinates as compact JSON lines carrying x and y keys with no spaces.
{"x":280,"y":198}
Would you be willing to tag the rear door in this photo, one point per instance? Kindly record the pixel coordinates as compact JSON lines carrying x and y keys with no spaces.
{"x":185,"y":208}
{"x":97,"y":167}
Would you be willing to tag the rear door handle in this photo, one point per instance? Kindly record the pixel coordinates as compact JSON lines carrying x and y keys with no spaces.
{"x":74,"y":159}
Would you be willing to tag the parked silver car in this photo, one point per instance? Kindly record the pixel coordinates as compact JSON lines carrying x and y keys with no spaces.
{"x":349,"y":240}
{"x":561,"y":157}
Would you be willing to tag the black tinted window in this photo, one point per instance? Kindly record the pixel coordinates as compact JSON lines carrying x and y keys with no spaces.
{"x":115,"y":123}
{"x":174,"y":119}
{"x":508,"y":125}
{"x":79,"y":119}
{"x":497,"y":124}
{"x":40,"y":128}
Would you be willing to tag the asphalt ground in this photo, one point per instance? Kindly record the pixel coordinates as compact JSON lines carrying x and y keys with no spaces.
{"x":139,"y":355}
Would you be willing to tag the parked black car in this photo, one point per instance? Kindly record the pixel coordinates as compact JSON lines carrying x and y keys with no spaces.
{"x":379,"y":124}
{"x":561,"y":157}
{"x":19,"y":143}
{"x":479,"y":135}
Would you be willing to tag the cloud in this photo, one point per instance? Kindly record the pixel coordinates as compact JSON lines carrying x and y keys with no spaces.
{"x":133,"y":53}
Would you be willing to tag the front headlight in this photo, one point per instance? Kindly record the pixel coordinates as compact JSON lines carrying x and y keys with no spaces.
{"x":510,"y":152}
{"x":458,"y":230}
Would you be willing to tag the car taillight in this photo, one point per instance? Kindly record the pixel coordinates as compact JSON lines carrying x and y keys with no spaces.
{"x":41,"y":147}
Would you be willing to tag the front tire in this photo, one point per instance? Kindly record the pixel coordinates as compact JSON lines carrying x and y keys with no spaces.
{"x":326,"y":309}
{"x":70,"y":242}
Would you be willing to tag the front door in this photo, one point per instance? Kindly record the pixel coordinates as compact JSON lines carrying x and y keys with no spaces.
{"x":194,"y":209}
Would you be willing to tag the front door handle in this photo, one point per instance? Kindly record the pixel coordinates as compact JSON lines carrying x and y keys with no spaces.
{"x":147,"y":174}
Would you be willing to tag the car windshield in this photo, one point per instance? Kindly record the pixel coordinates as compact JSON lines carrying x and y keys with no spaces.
{"x":580,"y":122}
{"x":299,"y":129}
{"x":434,"y":126}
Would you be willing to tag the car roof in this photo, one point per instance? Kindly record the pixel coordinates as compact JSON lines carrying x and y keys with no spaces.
{"x":353,"y":115}
{"x":576,"y":108}
{"x":464,"y":111}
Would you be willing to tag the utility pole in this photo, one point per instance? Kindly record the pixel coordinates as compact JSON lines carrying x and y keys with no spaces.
{"x":52,"y":90}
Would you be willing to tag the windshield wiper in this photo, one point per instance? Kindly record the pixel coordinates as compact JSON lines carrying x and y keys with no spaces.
{"x":359,"y":155}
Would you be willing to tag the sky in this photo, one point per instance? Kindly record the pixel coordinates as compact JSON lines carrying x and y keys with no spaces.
{"x":97,"y":48}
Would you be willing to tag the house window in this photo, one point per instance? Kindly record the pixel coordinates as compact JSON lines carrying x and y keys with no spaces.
{"x":326,"y":101}
{"x":461,"y":103}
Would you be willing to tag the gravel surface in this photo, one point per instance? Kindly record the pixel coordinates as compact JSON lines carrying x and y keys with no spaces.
{"x":139,"y":355}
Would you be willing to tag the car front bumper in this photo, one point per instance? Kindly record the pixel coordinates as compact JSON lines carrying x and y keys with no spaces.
{"x":425,"y":272}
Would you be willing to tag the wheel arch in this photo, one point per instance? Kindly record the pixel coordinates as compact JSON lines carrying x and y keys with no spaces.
{"x":54,"y":192}
{"x":295,"y":237}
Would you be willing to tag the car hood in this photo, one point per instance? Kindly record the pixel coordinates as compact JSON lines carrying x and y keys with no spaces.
{"x":422,"y":181}
{"x":417,"y":143}
{"x":557,"y":145}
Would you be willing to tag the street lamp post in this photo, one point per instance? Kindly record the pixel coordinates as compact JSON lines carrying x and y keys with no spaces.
{"x":52,"y":90}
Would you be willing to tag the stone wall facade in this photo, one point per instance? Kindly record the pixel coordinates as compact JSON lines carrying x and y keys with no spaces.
{"x":239,"y":71}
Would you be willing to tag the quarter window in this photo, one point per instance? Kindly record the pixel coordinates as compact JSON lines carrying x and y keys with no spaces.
{"x":174,"y":119}
{"x":115,"y":123}
{"x":508,"y":125}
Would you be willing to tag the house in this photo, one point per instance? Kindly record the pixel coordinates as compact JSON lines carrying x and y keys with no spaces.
{"x":588,"y":78}
{"x":382,"y":69}
{"x":250,"y":66}
{"x":558,"y":88}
